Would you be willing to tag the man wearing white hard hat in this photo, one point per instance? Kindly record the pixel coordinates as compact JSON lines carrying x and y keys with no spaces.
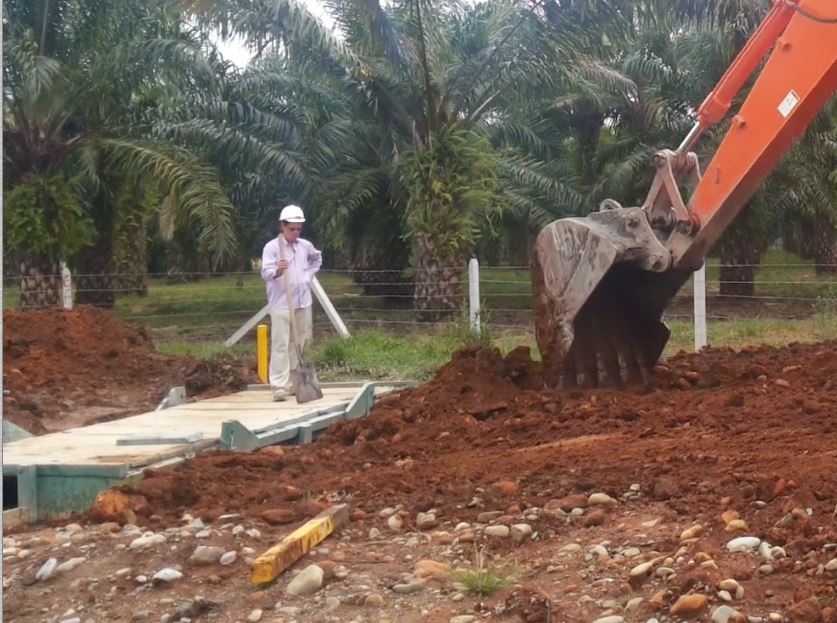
{"x":302,"y":261}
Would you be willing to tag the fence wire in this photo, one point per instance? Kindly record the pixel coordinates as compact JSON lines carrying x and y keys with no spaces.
{"x":209,"y":307}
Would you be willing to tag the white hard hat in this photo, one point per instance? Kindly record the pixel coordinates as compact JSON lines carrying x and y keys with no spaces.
{"x":292,"y":214}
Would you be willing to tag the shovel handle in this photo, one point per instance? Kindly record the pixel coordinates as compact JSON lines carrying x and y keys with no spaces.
{"x":291,"y":308}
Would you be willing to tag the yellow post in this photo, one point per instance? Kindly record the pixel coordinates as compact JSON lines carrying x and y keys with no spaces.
{"x":261,"y":351}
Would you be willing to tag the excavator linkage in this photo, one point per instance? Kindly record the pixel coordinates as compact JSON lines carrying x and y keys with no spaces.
{"x":602,"y":282}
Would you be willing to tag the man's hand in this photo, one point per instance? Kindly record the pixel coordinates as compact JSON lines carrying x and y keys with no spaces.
{"x":283,"y":266}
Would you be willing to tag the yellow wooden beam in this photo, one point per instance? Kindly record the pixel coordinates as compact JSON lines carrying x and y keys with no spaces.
{"x":261,"y":352}
{"x":268,"y":566}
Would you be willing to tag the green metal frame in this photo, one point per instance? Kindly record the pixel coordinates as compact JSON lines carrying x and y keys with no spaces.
{"x":51,"y":491}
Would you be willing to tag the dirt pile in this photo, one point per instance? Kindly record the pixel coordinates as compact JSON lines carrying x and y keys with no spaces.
{"x":745,"y":426}
{"x":69,"y":368}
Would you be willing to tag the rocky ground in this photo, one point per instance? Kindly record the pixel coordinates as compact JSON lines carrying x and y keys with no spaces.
{"x":481,"y":496}
{"x":581,"y":558}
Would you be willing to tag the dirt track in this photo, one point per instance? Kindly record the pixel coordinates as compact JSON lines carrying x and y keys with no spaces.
{"x":741,"y":444}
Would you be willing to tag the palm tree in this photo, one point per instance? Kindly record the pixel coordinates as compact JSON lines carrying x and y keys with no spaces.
{"x":424,"y":90}
{"x":82,"y":81}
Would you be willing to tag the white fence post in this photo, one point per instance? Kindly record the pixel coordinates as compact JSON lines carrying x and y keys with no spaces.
{"x":699,"y":281}
{"x":474,"y":293}
{"x":66,"y":286}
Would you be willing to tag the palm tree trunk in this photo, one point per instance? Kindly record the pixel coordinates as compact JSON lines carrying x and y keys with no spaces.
{"x":131,"y":253}
{"x":380,"y":270}
{"x":825,"y":246}
{"x":95,"y":283}
{"x":439,"y":276}
{"x":40,"y":283}
{"x":739,"y":260}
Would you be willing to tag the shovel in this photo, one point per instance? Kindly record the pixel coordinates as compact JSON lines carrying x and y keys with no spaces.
{"x":306,"y":386}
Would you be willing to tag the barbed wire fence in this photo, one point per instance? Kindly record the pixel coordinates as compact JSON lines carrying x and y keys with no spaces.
{"x":207,"y":308}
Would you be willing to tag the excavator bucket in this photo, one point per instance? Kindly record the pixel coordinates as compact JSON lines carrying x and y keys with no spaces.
{"x":600,"y":285}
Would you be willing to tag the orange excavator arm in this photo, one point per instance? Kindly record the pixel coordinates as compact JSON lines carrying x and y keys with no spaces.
{"x":797,"y":80}
{"x":601,"y":283}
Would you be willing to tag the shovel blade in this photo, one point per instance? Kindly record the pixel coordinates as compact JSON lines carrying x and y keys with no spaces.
{"x":601,"y":284}
{"x":306,"y":385}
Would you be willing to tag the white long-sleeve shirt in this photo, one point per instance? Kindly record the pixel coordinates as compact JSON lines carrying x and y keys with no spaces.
{"x":304,"y":260}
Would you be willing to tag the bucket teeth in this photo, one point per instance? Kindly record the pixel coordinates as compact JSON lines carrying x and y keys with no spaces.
{"x":600,"y":290}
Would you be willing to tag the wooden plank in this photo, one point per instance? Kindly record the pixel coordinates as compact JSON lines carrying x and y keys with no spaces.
{"x":279,"y":558}
{"x":241,"y":332}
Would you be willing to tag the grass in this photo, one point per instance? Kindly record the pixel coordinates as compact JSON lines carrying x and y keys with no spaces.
{"x":482,"y":580}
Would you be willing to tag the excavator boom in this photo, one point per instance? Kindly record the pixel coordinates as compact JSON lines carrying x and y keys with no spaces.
{"x":601,"y":283}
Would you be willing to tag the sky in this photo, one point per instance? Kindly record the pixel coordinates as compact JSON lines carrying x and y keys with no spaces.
{"x":234,"y":50}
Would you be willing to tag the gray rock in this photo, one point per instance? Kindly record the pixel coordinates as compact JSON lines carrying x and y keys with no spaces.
{"x":206,"y":554}
{"x":165,"y":575}
{"x":643,"y":568}
{"x":631,"y":552}
{"x":633,"y":604}
{"x":601,"y":499}
{"x":599,"y":550}
{"x":291,"y":611}
{"x":203,"y":534}
{"x":498,"y":531}
{"x":307,"y":581}
{"x":228,"y":558}
{"x":831,"y":565}
{"x":409,"y":587}
{"x":255,"y":616}
{"x":394,"y":522}
{"x":140,"y":615}
{"x":374,"y":534}
{"x":373,"y":600}
{"x":239,"y":529}
{"x":47,"y":570}
{"x":613,"y":618}
{"x":722,"y":614}
{"x":520,"y":532}
{"x":69,"y":565}
{"x":331,"y":603}
{"x":730,"y":584}
{"x":766,"y":569}
{"x":72,"y":620}
{"x":489,"y":516}
{"x":664,"y":572}
{"x":425,"y":520}
{"x":725,"y":596}
{"x":254,"y":533}
{"x":571,"y":548}
{"x":463,"y":618}
{"x":147,"y":541}
{"x":141,"y":579}
{"x":744,"y":544}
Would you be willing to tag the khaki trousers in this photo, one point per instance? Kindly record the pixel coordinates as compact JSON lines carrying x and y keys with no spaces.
{"x":283,"y":357}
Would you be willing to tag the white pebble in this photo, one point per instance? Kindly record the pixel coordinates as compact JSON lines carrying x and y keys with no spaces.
{"x":228,"y":558}
{"x":46,"y":570}
{"x":167,"y":575}
{"x":743,"y":544}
